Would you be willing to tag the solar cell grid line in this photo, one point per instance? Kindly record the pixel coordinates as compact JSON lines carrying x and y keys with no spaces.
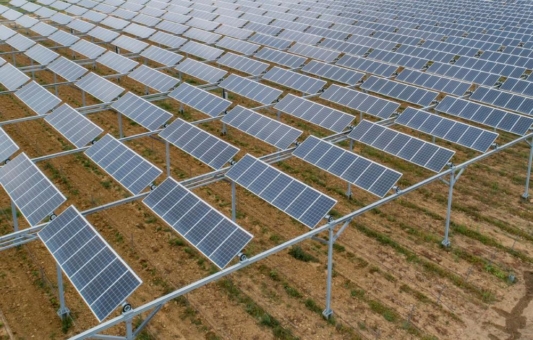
{"x":298,"y":200}
{"x":318,"y":114}
{"x":314,"y":52}
{"x":336,"y":73}
{"x":129,"y":44}
{"x":250,"y":89}
{"x":20,"y":42}
{"x":210,"y":232}
{"x":161,"y":56}
{"x":295,"y":81}
{"x":98,"y":274}
{"x":261,"y":127}
{"x":374,"y":106}
{"x":411,"y":149}
{"x":280,"y":58}
{"x":166,"y":39}
{"x":400,"y":91}
{"x":357,"y":170}
{"x":270,"y":41}
{"x":117,"y":62}
{"x":67,"y":69}
{"x":123,"y":164}
{"x":141,"y":111}
{"x":41,"y":54}
{"x":75,"y":127}
{"x":43,"y":29}
{"x":485,"y":115}
{"x":201,"y":51}
{"x":196,"y":142}
{"x":154,"y":79}
{"x":100,"y":88}
{"x":447,"y":129}
{"x":88,"y":49}
{"x":37,"y":98}
{"x":200,"y":100}
{"x":7,"y":146}
{"x":202,"y":71}
{"x":31,"y":191}
{"x":237,"y":45}
{"x":243,"y":64}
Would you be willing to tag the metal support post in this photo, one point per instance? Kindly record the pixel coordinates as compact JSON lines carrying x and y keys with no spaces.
{"x":14,"y":214}
{"x":360,"y":116}
{"x":129,"y":328}
{"x":55,"y":85}
{"x":224,"y":129}
{"x":14,"y":57}
{"x":120,"y":132}
{"x":278,"y":113}
{"x":328,"y":312}
{"x":32,"y":72}
{"x":167,"y":151}
{"x":446,"y":241}
{"x":146,"y":321}
{"x":349,"y":190}
{"x":63,"y":311}
{"x":82,"y":98}
{"x":233,"y":202}
{"x":528,"y":176}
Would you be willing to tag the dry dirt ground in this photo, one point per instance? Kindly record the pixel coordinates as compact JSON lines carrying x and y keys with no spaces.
{"x":392,"y":279}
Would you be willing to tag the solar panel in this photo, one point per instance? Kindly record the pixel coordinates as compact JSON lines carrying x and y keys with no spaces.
{"x":357,"y":170}
{"x":250,"y":89}
{"x":213,"y":234}
{"x":123,"y":164}
{"x":172,"y":27}
{"x":320,"y":115}
{"x":266,"y":129}
{"x":237,"y":45}
{"x":142,"y":32}
{"x":200,"y":100}
{"x":146,"y":20}
{"x":45,"y":12}
{"x":271,"y":41}
{"x":336,"y":73}
{"x":11,"y":15}
{"x":434,"y":82}
{"x":129,"y":44}
{"x":20,"y":42}
{"x":166,"y":39}
{"x":26,"y":21}
{"x":63,"y":38}
{"x":67,"y":69}
{"x":201,"y":51}
{"x":161,"y":56}
{"x":94,"y":16}
{"x":79,"y":130}
{"x":289,"y":195}
{"x":199,"y":144}
{"x":322,"y":54}
{"x":400,"y":91}
{"x":7,"y":146}
{"x":141,"y":111}
{"x":115,"y":23}
{"x":202,"y":24}
{"x":280,"y":58}
{"x":117,"y":62}
{"x":6,"y":33}
{"x":243,"y":64}
{"x":295,"y":81}
{"x":43,"y":29}
{"x":201,"y":70}
{"x":80,"y":25}
{"x":485,"y":115}
{"x":88,"y":49}
{"x":201,"y":35}
{"x":447,"y":129}
{"x":11,"y":78}
{"x":37,"y":98}
{"x":411,"y":149}
{"x":503,"y":99}
{"x":33,"y":194}
{"x":99,"y":87}
{"x":152,"y":78}
{"x":41,"y":54}
{"x":231,"y":31}
{"x":360,"y":101}
{"x":100,"y":276}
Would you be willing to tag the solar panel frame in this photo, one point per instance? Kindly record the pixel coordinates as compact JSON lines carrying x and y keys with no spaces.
{"x":295,"y":81}
{"x":129,"y":169}
{"x":32,"y":192}
{"x":161,"y":56}
{"x":117,"y":62}
{"x":180,"y":208}
{"x":202,"y":71}
{"x":20,"y":42}
{"x":129,"y":44}
{"x":332,"y":72}
{"x":264,"y":128}
{"x":154,"y":79}
{"x":141,"y":111}
{"x":201,"y":51}
{"x":41,"y":54}
{"x":68,"y":238}
{"x":280,"y":58}
{"x":72,"y":125}
{"x":100,"y":88}
{"x":7,"y":146}
{"x":67,"y":69}
{"x":37,"y":98}
{"x":243,"y":64}
{"x":283,"y":191}
{"x":239,"y":46}
{"x":203,"y":146}
{"x":88,"y":49}
{"x":357,"y":170}
{"x":250,"y":89}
